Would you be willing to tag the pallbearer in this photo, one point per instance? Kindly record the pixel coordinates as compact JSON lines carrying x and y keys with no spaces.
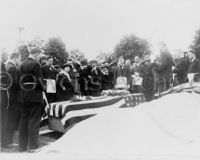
{"x":4,"y":98}
{"x":31,"y":96}
{"x":13,"y":112}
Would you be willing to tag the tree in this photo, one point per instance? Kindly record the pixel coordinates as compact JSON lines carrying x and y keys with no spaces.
{"x":104,"y":56}
{"x":131,"y":46}
{"x":35,"y":43}
{"x":55,"y":47}
{"x":196,"y":43}
{"x":76,"y":54}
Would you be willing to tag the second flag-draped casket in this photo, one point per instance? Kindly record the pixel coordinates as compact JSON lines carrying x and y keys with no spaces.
{"x":63,"y":115}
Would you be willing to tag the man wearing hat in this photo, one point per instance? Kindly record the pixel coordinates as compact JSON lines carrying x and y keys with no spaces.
{"x":95,"y":79}
{"x":107,"y":77}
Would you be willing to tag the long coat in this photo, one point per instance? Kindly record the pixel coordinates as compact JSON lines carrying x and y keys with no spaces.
{"x":68,"y":92}
{"x":107,"y":80}
{"x":49,"y":72}
{"x":32,"y":73}
{"x":14,"y":90}
{"x":147,"y":74}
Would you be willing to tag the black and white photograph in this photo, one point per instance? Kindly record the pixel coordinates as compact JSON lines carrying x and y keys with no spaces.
{"x":100,"y":79}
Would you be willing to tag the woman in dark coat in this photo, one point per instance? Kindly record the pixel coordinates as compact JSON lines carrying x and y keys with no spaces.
{"x":147,"y":79}
{"x":65,"y":89}
{"x":94,"y":79}
{"x":107,"y":78}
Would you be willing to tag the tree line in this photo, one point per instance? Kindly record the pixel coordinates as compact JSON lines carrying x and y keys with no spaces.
{"x":128,"y":47}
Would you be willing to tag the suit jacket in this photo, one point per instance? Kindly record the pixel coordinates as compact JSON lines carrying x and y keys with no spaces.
{"x":124,"y":72}
{"x":14,"y":90}
{"x":49,"y":72}
{"x":29,"y":69}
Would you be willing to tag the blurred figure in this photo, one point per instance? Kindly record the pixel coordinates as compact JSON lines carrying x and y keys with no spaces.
{"x":4,"y":57}
{"x":128,"y":63}
{"x":147,"y":74}
{"x":4,"y":98}
{"x":181,"y":68}
{"x":194,"y":66}
{"x":83,"y":78}
{"x":164,"y":68}
{"x":13,"y":111}
{"x":136,"y":68}
{"x":95,"y":79}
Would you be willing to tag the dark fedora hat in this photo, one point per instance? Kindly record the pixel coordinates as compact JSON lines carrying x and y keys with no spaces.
{"x":146,"y":58}
{"x":67,"y":65}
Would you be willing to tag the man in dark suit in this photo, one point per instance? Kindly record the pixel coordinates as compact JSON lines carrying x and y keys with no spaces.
{"x":4,"y":99}
{"x":194,"y":65}
{"x":32,"y":98}
{"x":49,"y":73}
{"x":13,"y":112}
{"x":122,"y":71}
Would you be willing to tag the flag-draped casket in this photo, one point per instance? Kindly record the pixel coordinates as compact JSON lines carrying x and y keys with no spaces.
{"x":168,"y":126}
{"x":63,"y":115}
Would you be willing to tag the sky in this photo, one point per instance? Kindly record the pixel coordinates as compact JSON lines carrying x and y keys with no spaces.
{"x":95,"y":26}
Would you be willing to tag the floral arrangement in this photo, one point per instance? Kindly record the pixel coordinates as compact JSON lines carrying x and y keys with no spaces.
{"x":117,"y":92}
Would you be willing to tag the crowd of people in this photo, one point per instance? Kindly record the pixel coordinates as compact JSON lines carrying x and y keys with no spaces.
{"x":25,"y":84}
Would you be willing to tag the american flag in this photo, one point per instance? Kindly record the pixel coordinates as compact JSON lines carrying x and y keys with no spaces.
{"x":63,"y":115}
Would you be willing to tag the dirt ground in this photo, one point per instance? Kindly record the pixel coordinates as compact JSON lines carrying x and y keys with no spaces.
{"x":46,"y":137}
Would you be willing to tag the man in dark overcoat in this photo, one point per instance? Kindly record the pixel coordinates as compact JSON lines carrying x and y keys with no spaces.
{"x":13,"y":110}
{"x":4,"y":98}
{"x":32,"y":97}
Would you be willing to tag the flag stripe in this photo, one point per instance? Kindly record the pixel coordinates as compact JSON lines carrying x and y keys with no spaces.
{"x":85,"y":112}
{"x":68,"y":113}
